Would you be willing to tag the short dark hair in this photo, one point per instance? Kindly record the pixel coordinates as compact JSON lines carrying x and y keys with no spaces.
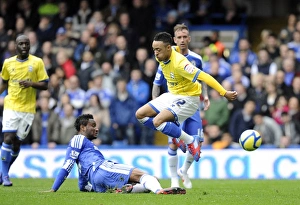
{"x":82,"y":120}
{"x":164,"y":37}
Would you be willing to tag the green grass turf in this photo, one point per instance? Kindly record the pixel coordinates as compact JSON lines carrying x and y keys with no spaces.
{"x":208,"y":192}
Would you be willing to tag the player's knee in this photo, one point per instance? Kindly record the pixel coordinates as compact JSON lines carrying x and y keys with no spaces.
{"x":9,"y":138}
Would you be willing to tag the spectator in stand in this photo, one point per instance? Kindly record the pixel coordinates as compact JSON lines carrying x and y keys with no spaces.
{"x":215,"y":39}
{"x":281,"y":105}
{"x":73,"y":35}
{"x":286,"y":34}
{"x":28,"y":11}
{"x":105,"y":95}
{"x":59,"y":109}
{"x":289,"y":70}
{"x":295,"y":91}
{"x":138,"y":88}
{"x":290,"y":131}
{"x":56,"y":87}
{"x":242,"y":98}
{"x":102,"y":119}
{"x":87,"y":67}
{"x":112,"y":11}
{"x":264,"y":34}
{"x":66,"y":63}
{"x":184,"y":8}
{"x":224,"y":67}
{"x":8,"y":14}
{"x":67,"y":124}
{"x":269,"y":130}
{"x":99,"y":24}
{"x":81,"y":46}
{"x":295,"y":44}
{"x":45,"y":30}
{"x":264,"y":64}
{"x":218,"y":114}
{"x":143,"y":21}
{"x":128,"y":31}
{"x":62,"y":41}
{"x":237,"y":76}
{"x":120,"y":66}
{"x":257,"y":90}
{"x":82,"y":17}
{"x":141,"y":55}
{"x":109,"y":40}
{"x":76,"y":94}
{"x":243,"y":49}
{"x":272,"y":46}
{"x":271,"y":96}
{"x":58,"y":19}
{"x":122,"y":114}
{"x":35,"y":46}
{"x":122,"y":47}
{"x":20,"y":28}
{"x":241,"y":120}
{"x":45,"y":126}
{"x":149,"y":74}
{"x":294,"y":109}
{"x":109,"y":77}
{"x":172,"y":20}
{"x":202,"y":9}
{"x":9,"y":51}
{"x":4,"y":38}
{"x":283,"y":54}
{"x":281,"y":87}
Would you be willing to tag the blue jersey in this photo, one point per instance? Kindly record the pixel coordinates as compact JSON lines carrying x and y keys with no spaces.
{"x":93,"y":169}
{"x":87,"y":157}
{"x":160,"y":80}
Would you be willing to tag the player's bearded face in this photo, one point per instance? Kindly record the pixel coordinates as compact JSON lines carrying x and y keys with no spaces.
{"x":161,"y":50}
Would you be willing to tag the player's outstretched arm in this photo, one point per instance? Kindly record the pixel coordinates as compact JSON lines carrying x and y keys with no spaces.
{"x":209,"y":80}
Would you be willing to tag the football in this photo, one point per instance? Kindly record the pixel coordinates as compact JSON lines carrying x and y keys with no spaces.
{"x":250,"y":140}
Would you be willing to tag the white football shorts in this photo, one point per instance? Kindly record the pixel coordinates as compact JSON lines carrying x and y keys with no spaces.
{"x":19,"y":122}
{"x":181,"y":106}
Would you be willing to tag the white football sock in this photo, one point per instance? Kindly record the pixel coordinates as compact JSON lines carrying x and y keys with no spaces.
{"x":138,"y":188}
{"x":188,"y":139}
{"x":189,"y":159}
{"x":173,"y":161}
{"x":150,"y":183}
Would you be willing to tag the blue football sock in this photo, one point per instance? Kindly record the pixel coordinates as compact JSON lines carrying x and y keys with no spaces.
{"x":149,"y":123}
{"x":170,"y":129}
{"x":6,"y":158}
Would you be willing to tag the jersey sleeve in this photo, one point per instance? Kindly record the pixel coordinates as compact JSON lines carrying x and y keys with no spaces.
{"x":42,"y":73}
{"x":72,"y":154}
{"x":189,"y":71}
{"x":4,"y":72}
{"x":159,"y":77}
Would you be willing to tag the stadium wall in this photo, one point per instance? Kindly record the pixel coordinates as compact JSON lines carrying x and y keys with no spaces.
{"x":214,"y":164}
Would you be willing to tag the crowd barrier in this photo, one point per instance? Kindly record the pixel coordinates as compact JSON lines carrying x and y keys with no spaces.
{"x":268,"y":163}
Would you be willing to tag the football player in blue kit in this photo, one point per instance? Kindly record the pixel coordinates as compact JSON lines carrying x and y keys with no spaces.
{"x":193,"y":124}
{"x":99,"y":174}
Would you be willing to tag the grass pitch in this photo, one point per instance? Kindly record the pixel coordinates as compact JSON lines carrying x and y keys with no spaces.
{"x":209,"y":192}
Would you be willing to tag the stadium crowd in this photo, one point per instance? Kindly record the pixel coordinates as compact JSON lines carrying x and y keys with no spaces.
{"x":99,"y":59}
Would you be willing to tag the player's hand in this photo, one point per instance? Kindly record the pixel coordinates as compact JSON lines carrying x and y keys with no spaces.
{"x":230,"y":95}
{"x":206,"y":102}
{"x":25,"y":84}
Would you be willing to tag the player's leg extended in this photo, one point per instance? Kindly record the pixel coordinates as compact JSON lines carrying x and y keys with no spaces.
{"x":6,"y":157}
{"x":173,"y":163}
{"x":192,"y":126}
